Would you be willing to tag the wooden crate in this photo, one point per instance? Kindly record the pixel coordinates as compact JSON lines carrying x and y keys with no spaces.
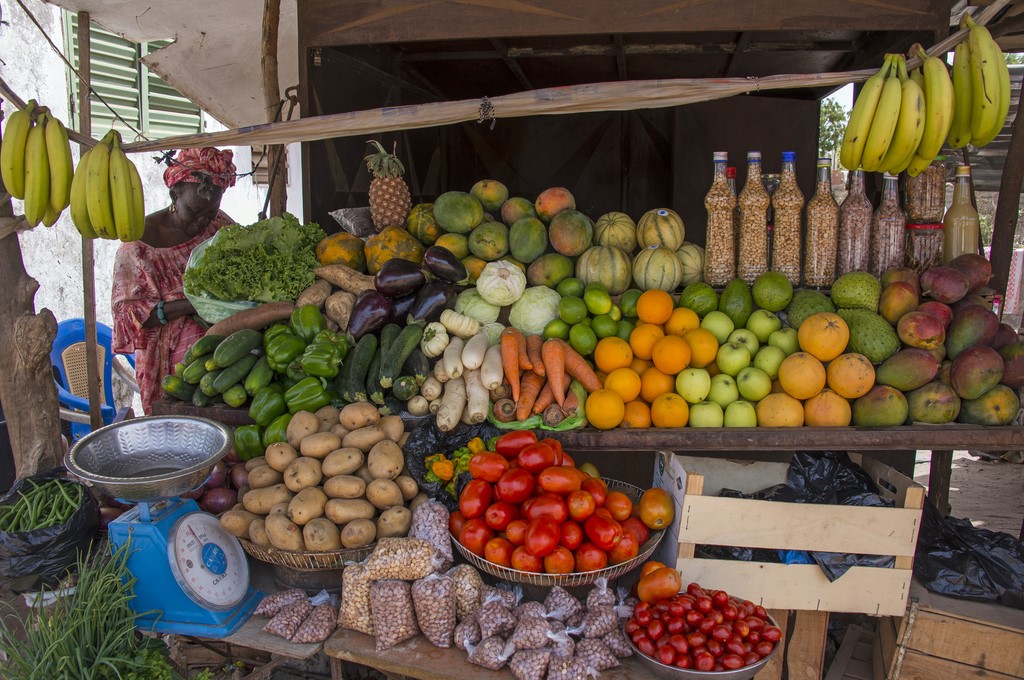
{"x":706,"y":518}
{"x":940,"y":637}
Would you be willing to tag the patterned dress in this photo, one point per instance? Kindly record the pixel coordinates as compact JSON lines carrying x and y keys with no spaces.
{"x":144,"y":275}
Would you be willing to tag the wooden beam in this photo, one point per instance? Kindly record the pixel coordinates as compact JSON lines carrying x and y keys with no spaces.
{"x":88,"y":260}
{"x":742,"y":43}
{"x":278,"y":177}
{"x":1007,"y":207}
{"x":517,"y":71}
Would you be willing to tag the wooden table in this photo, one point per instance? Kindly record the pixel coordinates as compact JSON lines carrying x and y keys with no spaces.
{"x":252,"y":636}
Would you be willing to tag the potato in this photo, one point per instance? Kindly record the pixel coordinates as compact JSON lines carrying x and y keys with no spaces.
{"x":358,"y":533}
{"x":344,"y":486}
{"x":408,"y":486}
{"x":403,"y":440}
{"x":343,"y":462}
{"x":264,"y":476}
{"x":258,"y":533}
{"x":279,"y":509}
{"x":385,"y":460}
{"x":319,"y":445}
{"x":303,"y":473}
{"x":280,"y":455}
{"x":236,"y":522}
{"x":344,"y":510}
{"x":308,"y":504}
{"x":363,"y":473}
{"x":383,"y":493}
{"x":355,"y":416}
{"x":393,"y":427}
{"x":238,"y":506}
{"x":255,"y":463}
{"x":321,"y":534}
{"x":339,"y":430}
{"x":283,"y":533}
{"x":394,"y":522}
{"x":242,"y":491}
{"x":260,"y":501}
{"x":418,"y":500}
{"x":328,"y":417}
{"x":364,"y":438}
{"x":302,"y":425}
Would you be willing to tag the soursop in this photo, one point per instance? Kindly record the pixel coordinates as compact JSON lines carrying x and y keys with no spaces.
{"x":806,"y":303}
{"x":856,"y":290}
{"x":870,"y":335}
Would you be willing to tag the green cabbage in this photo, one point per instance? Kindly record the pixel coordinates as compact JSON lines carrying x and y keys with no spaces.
{"x":501,"y":283}
{"x":534,"y":310}
{"x":473,"y":305}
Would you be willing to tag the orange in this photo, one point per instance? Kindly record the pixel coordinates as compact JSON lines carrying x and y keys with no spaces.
{"x":671,"y":354}
{"x":654,"y":383}
{"x":638,"y":415}
{"x":625,"y":382}
{"x":801,"y":375}
{"x":823,"y":335}
{"x":703,"y":346}
{"x":683,"y":319}
{"x":850,"y":375}
{"x":611,"y":353}
{"x":712,"y":369}
{"x":605,"y":409}
{"x":669,"y":410}
{"x":779,"y":410}
{"x":640,"y":365}
{"x":642,"y":339}
{"x":654,"y":306}
{"x":827,"y":409}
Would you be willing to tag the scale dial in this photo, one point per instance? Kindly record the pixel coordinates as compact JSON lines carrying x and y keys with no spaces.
{"x":207,"y":562}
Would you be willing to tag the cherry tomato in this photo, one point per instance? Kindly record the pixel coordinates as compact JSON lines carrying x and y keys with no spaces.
{"x":679,"y":643}
{"x":499,"y":550}
{"x":696,"y":639}
{"x":755,"y":623}
{"x":455,"y":522}
{"x":632,"y":626}
{"x":524,"y":561}
{"x":559,"y":561}
{"x":754,"y":636}
{"x":683,"y":661}
{"x":591,"y":558}
{"x":560,"y":480}
{"x":515,"y":486}
{"x":655,"y":629}
{"x":626,"y":549}
{"x":597,"y":488}
{"x":511,"y":443}
{"x":707,"y":625}
{"x":666,"y":655}
{"x":734,"y":647}
{"x":761,"y":613}
{"x":703,"y":604}
{"x":686,"y":602}
{"x":605,"y":533}
{"x":650,"y":566}
{"x":771,"y":634}
{"x":675,"y":608}
{"x":695,"y":590}
{"x":541,"y":537}
{"x":750,"y":658}
{"x":474,"y":535}
{"x":488,"y":466}
{"x":637,"y":528}
{"x":547,"y":506}
{"x":729,"y":612}
{"x":571,"y":535}
{"x":719,"y":598}
{"x":694,"y":618}
{"x":475,"y":498}
{"x":741,"y":628}
{"x":715,"y":647}
{"x":704,"y":661}
{"x":731,"y":662}
{"x":619,"y":505}
{"x":556,"y":446}
{"x":499,"y":515}
{"x":717,"y":616}
{"x":721,"y":633}
{"x":536,"y":457}
{"x":645,"y":645}
{"x":763,"y":648}
{"x":515,"y":532}
{"x":581,"y":505}
{"x":643,"y":618}
{"x":675,"y":625}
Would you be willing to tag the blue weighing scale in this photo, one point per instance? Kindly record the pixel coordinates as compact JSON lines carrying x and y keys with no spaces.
{"x":192,"y":576}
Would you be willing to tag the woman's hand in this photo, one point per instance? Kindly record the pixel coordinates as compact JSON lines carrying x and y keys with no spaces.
{"x":172,"y":310}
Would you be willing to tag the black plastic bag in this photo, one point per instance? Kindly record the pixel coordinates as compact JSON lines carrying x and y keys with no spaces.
{"x":47,"y":553}
{"x":427,"y":440}
{"x":960,"y":560}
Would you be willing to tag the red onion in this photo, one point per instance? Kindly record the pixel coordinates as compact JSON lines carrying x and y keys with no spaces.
{"x":194,"y":494}
{"x":231,"y":457}
{"x":218,"y":476}
{"x":239,"y":476}
{"x":216,"y":501}
{"x":111,"y":502}
{"x":108,"y":515}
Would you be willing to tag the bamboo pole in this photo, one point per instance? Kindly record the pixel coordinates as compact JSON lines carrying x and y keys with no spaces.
{"x":277,"y":184}
{"x":1007,"y":207}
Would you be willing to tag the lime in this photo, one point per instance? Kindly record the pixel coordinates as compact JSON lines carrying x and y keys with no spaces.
{"x":571,"y":309}
{"x":627,"y":302}
{"x":570,"y":286}
{"x":588,"y":322}
{"x":597,"y":298}
{"x":604,"y":326}
{"x":623,"y":329}
{"x":616,"y":313}
{"x":582,"y":339}
{"x":700,"y":297}
{"x":772,"y":291}
{"x":556,"y":328}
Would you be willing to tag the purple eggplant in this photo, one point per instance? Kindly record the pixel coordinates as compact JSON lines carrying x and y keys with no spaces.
{"x":371,"y":312}
{"x":403,"y":305}
{"x":398,"y":277}
{"x":433,"y":298}
{"x":443,"y":264}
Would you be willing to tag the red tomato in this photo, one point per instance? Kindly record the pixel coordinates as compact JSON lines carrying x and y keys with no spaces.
{"x":499,"y":550}
{"x":591,"y":558}
{"x":511,"y":443}
{"x":581,"y":505}
{"x":488,"y":466}
{"x":731,"y":662}
{"x":455,"y":522}
{"x":666,"y":655}
{"x":559,"y":561}
{"x":524,"y":507}
{"x":603,"y":512}
{"x":522,"y":560}
{"x":567,"y":460}
{"x":643,"y":618}
{"x":542,"y":537}
{"x":536,"y":457}
{"x":763,"y":648}
{"x":645,"y":645}
{"x":516,"y":531}
{"x":696,"y":639}
{"x":499,"y":515}
{"x":619,"y":505}
{"x":605,"y":533}
{"x":597,"y":488}
{"x":571,"y":535}
{"x":771,"y":634}
{"x":704,"y":662}
{"x":515,"y":486}
{"x":678,"y":643}
{"x":556,"y":446}
{"x":560,"y":480}
{"x":548,"y":506}
{"x":625,"y":550}
{"x":474,"y":535}
{"x":637,"y":528}
{"x":475,"y":498}
{"x":655,"y":629}
{"x":715,"y":647}
{"x":719,"y":598}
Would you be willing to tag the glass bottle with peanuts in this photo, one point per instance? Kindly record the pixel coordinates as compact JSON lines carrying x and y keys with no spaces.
{"x":788,"y":204}
{"x":730,"y":178}
{"x":854,"y":253}
{"x":961,"y":224}
{"x":752,"y":260}
{"x":822,"y":231}
{"x":720,"y":202}
{"x":888,"y":226}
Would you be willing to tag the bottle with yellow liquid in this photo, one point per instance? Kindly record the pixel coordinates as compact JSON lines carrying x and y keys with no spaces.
{"x":961,"y":226}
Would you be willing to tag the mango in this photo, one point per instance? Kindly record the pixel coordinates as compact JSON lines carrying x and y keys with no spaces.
{"x":971,"y":299}
{"x":1013,"y":364}
{"x":975,"y":268}
{"x":897,"y":299}
{"x":491,"y":193}
{"x":998,"y":406}
{"x":908,"y":369}
{"x":552,"y":201}
{"x":975,"y":371}
{"x":917,"y":329}
{"x":972,"y":326}
{"x":883,"y":406}
{"x":940,"y":311}
{"x":904,"y":274}
{"x":945,"y":373}
{"x":515,"y":209}
{"x":944,"y":284}
{"x":1005,"y":335}
{"x":938,"y":352}
{"x":933,"y":403}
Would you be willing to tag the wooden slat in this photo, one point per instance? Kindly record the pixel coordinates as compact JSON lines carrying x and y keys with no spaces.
{"x":252,"y":635}
{"x":773,"y":669}
{"x":974,"y":644}
{"x":888,"y":641}
{"x":917,"y":666}
{"x":805,"y":652}
{"x":993,"y":615}
{"x":844,"y":655}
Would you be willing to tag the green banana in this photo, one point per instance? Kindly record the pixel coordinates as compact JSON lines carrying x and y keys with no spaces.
{"x":963,"y":98}
{"x":79,"y":208}
{"x":12,"y":150}
{"x":58,"y":151}
{"x":37,"y":173}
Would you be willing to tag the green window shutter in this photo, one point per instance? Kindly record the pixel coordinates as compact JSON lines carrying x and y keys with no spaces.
{"x":166,"y":111}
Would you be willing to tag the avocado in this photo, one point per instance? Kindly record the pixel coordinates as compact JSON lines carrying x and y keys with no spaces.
{"x":736,"y":302}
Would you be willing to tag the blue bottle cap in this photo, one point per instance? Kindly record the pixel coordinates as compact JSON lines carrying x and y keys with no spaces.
{"x":788,"y":156}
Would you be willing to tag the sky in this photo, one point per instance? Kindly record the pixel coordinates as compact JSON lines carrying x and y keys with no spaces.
{"x":844,"y":96}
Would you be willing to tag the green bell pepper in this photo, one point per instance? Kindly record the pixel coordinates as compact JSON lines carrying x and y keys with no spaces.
{"x":283,"y":349}
{"x":277,"y":431}
{"x":309,"y":394}
{"x":321,"y":359}
{"x":248,"y":442}
{"x":294,"y":371}
{"x":277,"y":329}
{"x":266,"y":405}
{"x":307,"y":321}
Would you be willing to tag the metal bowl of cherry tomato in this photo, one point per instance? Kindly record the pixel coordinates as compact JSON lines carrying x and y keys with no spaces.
{"x":672,"y":656}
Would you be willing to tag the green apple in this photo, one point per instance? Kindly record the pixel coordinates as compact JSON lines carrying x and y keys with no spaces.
{"x":740,"y":414}
{"x":768,"y":359}
{"x":590,"y":469}
{"x":719,"y":324}
{"x":748,"y":339}
{"x":706,"y":414}
{"x":733,"y":357}
{"x":763,"y":323}
{"x":785,"y":339}
{"x":723,"y":390}
{"x":693,"y":384}
{"x":753,"y":383}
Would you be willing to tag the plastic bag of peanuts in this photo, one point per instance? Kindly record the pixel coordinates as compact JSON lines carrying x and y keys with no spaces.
{"x":275,"y":602}
{"x":433,"y":598}
{"x":530,"y":609}
{"x":494,"y":617}
{"x":287,"y":621}
{"x":403,"y":559}
{"x":595,"y":654}
{"x":355,"y":611}
{"x":531,"y":633}
{"x":430,"y":522}
{"x":568,"y":669}
{"x":624,"y":607}
{"x":489,"y":653}
{"x":562,"y":645}
{"x":530,"y":664}
{"x":510,"y":595}
{"x":394,"y":619}
{"x":467,"y":633}
{"x":561,"y":605}
{"x":468,"y":585}
{"x":319,"y":625}
{"x":600,"y":594}
{"x":616,"y":642}
{"x":598,"y":622}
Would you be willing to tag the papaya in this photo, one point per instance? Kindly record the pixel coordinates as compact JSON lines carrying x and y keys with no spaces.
{"x":548,"y":270}
{"x":528,"y":239}
{"x":458,"y":212}
{"x":571,"y":232}
{"x":489,"y":241}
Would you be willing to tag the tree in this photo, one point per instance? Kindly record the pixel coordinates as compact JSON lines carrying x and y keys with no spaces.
{"x":832,"y":120}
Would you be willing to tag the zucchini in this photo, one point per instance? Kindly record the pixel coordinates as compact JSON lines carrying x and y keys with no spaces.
{"x":417,"y":365}
{"x":259,"y":377}
{"x":235,"y":395}
{"x":405,"y":388}
{"x":399,"y":350}
{"x":176,"y":387}
{"x":236,"y":346}
{"x":392,"y":405}
{"x":387,"y":338}
{"x":179,"y":368}
{"x":206,"y":383}
{"x":199,"y":398}
{"x":195,"y":371}
{"x":210,"y":364}
{"x":205,"y":345}
{"x":359,"y":365}
{"x":234,"y":373}
{"x":374,"y":391}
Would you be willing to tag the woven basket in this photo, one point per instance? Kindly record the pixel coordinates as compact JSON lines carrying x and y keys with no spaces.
{"x":306,"y":560}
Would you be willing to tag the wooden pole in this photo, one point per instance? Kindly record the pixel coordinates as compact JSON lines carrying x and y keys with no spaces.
{"x":1008,"y":206}
{"x":278,"y":182}
{"x":88,"y":261}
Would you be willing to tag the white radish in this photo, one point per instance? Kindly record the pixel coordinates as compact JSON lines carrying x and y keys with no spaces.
{"x":453,"y":403}
{"x":431,"y":387}
{"x":492,"y":373}
{"x":474,"y":351}
{"x":452,"y":358}
{"x":439,"y":373}
{"x":477,"y":398}
{"x":418,"y":405}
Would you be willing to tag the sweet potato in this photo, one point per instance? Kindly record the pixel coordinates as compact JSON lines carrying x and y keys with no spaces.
{"x":346,"y":278}
{"x":256,"y":318}
{"x":338,"y":308}
{"x":316,"y":294}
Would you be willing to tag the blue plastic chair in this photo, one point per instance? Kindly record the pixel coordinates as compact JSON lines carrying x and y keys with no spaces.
{"x":69,"y":359}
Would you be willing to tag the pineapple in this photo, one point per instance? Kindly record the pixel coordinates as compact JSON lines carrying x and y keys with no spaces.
{"x":389,"y":195}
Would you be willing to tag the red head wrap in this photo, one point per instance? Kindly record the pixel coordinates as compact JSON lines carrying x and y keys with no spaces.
{"x":209,"y":161}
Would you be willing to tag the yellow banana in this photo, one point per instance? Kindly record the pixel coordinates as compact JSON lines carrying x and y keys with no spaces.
{"x":963,"y":98}
{"x":138,"y":203}
{"x":909,"y":125}
{"x":12,"y":150}
{"x":985,"y":57}
{"x":917,"y":165}
{"x":918,"y":77}
{"x":50,"y":216}
{"x":101,"y":213}
{"x":883,"y":126}
{"x":1004,"y":103}
{"x":938,"y":92}
{"x":121,"y":192}
{"x":58,"y":151}
{"x":79,"y":209}
{"x":37,"y":173}
{"x":859,"y":125}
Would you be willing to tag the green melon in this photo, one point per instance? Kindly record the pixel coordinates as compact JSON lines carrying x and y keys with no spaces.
{"x":548,"y":270}
{"x":661,"y":226}
{"x":528,"y":239}
{"x":616,"y":229}
{"x":657,"y":267}
{"x":489,"y":241}
{"x":692,"y":257}
{"x":458,"y":212}
{"x":606,"y":265}
{"x":571,"y":232}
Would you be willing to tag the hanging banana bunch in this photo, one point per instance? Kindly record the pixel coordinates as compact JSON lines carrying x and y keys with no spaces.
{"x":35,"y":163}
{"x":981,"y":82}
{"x":106,"y":193}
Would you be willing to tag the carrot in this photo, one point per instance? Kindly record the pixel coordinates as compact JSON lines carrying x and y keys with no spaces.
{"x":544,"y":399}
{"x":528,"y":396}
{"x":510,"y":360}
{"x":524,"y":357}
{"x":533,"y":345}
{"x":553,"y":353}
{"x":578,"y":368}
{"x":571,"y":404}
